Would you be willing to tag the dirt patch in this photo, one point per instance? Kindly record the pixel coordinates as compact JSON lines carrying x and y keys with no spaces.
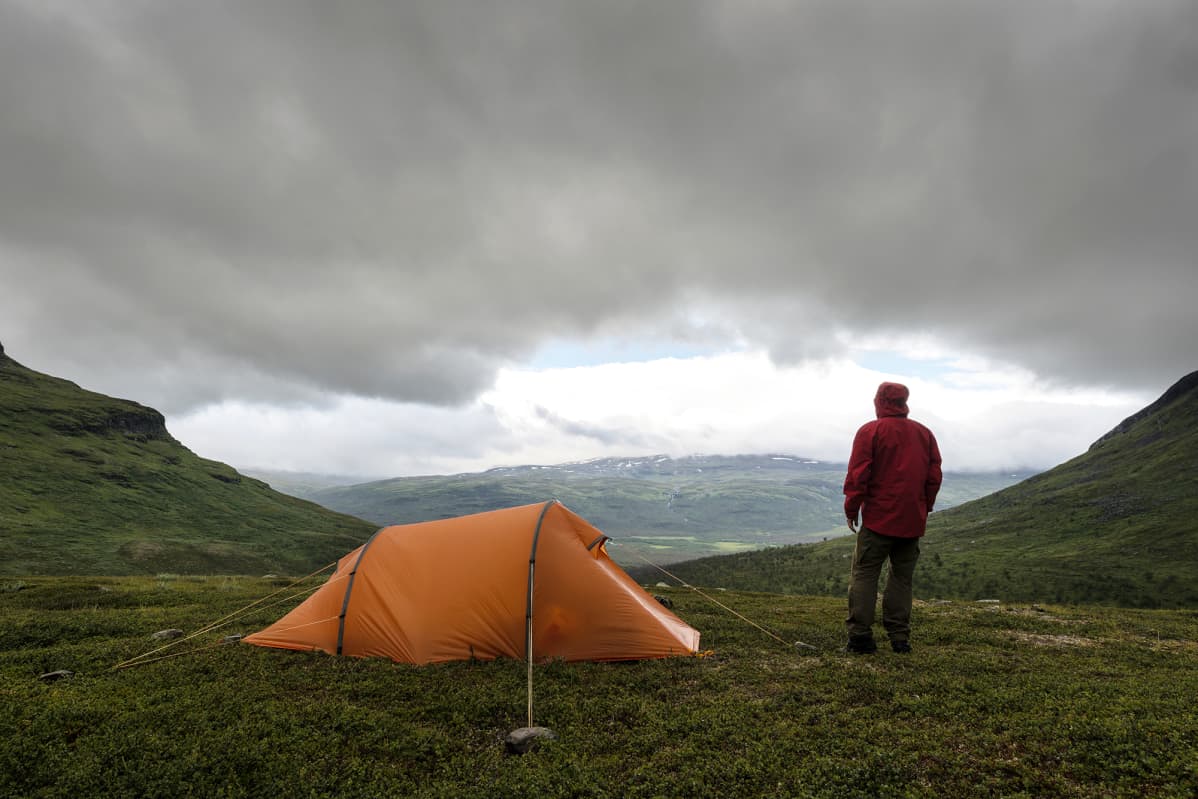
{"x":803,"y":664}
{"x":1054,"y":640}
{"x":1043,"y":615}
{"x":142,"y":550}
{"x":1173,"y":645}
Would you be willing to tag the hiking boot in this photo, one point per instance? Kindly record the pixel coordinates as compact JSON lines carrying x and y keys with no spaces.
{"x":901,"y":647}
{"x":861,"y":645}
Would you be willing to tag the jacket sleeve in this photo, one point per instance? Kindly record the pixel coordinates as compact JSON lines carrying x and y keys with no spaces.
{"x":932,"y":486}
{"x":856,"y":482}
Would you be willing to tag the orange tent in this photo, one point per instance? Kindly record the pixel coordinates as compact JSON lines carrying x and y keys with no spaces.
{"x":528,"y":582}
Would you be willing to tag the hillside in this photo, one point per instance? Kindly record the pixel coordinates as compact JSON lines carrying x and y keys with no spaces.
{"x":95,"y":485}
{"x":1118,"y":524}
{"x":668,"y":509}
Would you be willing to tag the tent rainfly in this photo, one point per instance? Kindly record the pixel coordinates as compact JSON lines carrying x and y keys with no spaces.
{"x":528,"y":582}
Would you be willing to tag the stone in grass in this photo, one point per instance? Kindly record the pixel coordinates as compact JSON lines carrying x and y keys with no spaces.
{"x":526,"y":738}
{"x":664,"y":600}
{"x":166,"y":635}
{"x":55,"y":676}
{"x":231,"y":639}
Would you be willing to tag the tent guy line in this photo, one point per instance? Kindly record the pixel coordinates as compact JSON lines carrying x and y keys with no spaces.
{"x":144,"y":658}
{"x":715,"y":601}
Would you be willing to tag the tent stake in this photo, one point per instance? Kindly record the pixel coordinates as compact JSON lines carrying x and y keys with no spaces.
{"x":530,"y":672}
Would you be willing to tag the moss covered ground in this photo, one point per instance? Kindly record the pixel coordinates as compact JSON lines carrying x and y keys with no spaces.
{"x":1012,"y":700}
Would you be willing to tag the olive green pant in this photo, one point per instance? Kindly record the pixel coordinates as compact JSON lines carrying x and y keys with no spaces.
{"x":871,"y":552}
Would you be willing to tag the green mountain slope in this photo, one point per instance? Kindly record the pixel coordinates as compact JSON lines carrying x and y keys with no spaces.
{"x":665,"y":509}
{"x":1117,"y":525}
{"x":95,"y":485}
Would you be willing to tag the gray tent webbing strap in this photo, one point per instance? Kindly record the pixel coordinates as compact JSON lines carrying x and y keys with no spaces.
{"x":599,"y":540}
{"x":350,"y":587}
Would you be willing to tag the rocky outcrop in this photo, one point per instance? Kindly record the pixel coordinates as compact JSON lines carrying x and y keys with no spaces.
{"x":129,"y":418}
{"x":1185,"y":387}
{"x":142,"y":422}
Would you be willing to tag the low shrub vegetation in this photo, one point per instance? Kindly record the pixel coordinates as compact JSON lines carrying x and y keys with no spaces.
{"x":996,"y":700}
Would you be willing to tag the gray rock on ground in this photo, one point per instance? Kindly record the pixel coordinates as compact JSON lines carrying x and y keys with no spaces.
{"x":526,"y":738}
{"x":55,"y":676}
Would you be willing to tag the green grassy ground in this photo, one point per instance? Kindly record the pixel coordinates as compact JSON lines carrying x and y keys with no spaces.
{"x":997,"y":700}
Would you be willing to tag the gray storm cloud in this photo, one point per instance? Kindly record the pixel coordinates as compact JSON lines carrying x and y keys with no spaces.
{"x":274,"y":200}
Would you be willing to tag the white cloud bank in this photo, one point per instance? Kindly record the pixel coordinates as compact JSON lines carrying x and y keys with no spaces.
{"x":986,"y":418}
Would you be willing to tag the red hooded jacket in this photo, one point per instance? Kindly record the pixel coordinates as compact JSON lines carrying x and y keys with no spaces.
{"x":894,"y":471}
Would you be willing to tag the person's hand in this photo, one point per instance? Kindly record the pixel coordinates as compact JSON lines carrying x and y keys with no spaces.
{"x":852,"y":524}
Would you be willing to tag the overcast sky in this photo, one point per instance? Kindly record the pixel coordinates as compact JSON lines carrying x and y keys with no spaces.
{"x":414,"y":237}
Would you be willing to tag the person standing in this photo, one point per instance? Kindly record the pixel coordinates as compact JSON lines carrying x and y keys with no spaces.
{"x":893,"y":478}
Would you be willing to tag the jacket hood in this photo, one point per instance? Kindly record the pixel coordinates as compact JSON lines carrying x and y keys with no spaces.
{"x":891,"y":400}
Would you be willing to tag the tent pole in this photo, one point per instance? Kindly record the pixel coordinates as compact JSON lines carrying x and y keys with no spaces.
{"x":349,"y":587}
{"x":528,"y":648}
{"x":532,"y":564}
